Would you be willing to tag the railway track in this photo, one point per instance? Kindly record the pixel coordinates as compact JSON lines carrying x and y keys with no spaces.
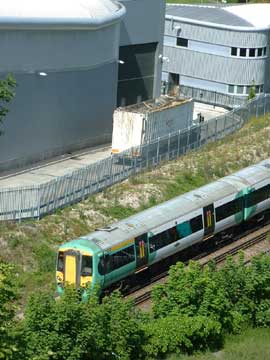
{"x":218,"y":256}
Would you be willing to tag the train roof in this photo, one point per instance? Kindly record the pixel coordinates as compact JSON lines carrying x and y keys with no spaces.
{"x":110,"y":236}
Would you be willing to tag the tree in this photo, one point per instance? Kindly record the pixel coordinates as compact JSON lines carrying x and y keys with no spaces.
{"x":6,"y":95}
{"x":7,"y":311}
{"x":252,"y":91}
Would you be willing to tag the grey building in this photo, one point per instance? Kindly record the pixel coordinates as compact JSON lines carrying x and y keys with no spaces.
{"x":218,"y":48}
{"x":141,"y":42}
{"x":64,"y":55}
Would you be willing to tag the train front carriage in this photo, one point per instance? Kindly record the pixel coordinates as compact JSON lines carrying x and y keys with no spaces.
{"x":77,"y":265}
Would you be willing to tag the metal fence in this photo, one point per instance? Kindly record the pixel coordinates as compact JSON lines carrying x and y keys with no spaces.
{"x":213,"y":97}
{"x":36,"y":201}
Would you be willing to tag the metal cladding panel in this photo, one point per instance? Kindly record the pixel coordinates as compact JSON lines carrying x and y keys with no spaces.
{"x":163,"y":122}
{"x":143,"y":22}
{"x":63,"y":14}
{"x":213,"y":67}
{"x":30,"y":51}
{"x":60,"y":112}
{"x":249,"y":39}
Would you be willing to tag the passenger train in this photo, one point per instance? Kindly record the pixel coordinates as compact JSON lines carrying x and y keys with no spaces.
{"x":115,"y":252}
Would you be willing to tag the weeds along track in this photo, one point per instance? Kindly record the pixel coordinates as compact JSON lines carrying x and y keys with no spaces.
{"x":255,"y":242}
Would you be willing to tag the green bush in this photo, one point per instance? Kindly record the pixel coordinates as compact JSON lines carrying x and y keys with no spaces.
{"x":175,"y":334}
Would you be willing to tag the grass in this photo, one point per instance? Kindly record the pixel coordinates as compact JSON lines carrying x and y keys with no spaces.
{"x":253,"y":344}
{"x":31,"y":245}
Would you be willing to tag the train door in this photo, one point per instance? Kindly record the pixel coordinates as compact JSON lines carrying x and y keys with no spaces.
{"x":141,"y":251}
{"x":72,"y":274}
{"x":209,"y":220}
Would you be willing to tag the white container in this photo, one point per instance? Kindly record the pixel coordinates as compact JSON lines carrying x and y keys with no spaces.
{"x":141,"y":123}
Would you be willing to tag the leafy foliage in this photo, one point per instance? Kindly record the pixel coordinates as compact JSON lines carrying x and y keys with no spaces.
{"x":181,"y":334}
{"x":6,"y":95}
{"x":193,"y":311}
{"x":70,"y":329}
{"x":234,"y":296}
{"x":7,"y":311}
{"x":252,"y":91}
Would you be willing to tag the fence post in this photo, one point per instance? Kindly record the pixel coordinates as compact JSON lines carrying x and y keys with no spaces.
{"x":178,"y":143}
{"x":169,"y":145}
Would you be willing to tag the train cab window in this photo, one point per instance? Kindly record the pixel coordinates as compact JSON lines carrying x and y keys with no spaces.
{"x":258,"y":196}
{"x":86,"y":267}
{"x":229,"y":209}
{"x":60,"y":261}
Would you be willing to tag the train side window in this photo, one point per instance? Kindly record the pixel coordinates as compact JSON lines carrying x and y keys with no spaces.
{"x":258,"y":196}
{"x":162,"y":239}
{"x":196,"y":224}
{"x":104,"y":265}
{"x":229,"y":209}
{"x":189,"y":227}
{"x":122,"y":258}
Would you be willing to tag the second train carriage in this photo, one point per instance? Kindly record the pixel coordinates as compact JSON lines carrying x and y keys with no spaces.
{"x":114,"y":252}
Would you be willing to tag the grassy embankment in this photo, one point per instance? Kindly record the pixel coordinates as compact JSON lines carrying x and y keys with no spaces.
{"x":31,"y":244}
{"x":254,"y":344}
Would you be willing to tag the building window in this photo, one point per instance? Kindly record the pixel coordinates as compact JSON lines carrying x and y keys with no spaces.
{"x":264,"y":51}
{"x":260,"y":51}
{"x":231,"y":89}
{"x":243,"y":52}
{"x":182,"y":42}
{"x":234,"y":51}
{"x":252,"y":52}
{"x":261,"y":88}
{"x":240,"y":89}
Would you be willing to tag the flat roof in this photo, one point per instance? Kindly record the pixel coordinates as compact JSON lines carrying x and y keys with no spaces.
{"x":154,"y":105}
{"x":247,"y":15}
{"x":61,"y":12}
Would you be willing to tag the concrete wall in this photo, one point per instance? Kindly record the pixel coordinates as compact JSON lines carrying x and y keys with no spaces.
{"x":71,"y":107}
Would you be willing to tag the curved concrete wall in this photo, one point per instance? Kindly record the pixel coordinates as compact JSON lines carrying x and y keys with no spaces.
{"x":71,"y":107}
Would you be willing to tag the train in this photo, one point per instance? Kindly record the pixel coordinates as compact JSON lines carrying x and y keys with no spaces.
{"x":116,"y":252}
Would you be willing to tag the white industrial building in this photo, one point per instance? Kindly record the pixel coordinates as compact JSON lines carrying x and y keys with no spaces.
{"x":222,"y":48}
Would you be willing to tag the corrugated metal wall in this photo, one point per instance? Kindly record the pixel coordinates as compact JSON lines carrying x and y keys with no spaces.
{"x":218,"y":36}
{"x":222,"y":69}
